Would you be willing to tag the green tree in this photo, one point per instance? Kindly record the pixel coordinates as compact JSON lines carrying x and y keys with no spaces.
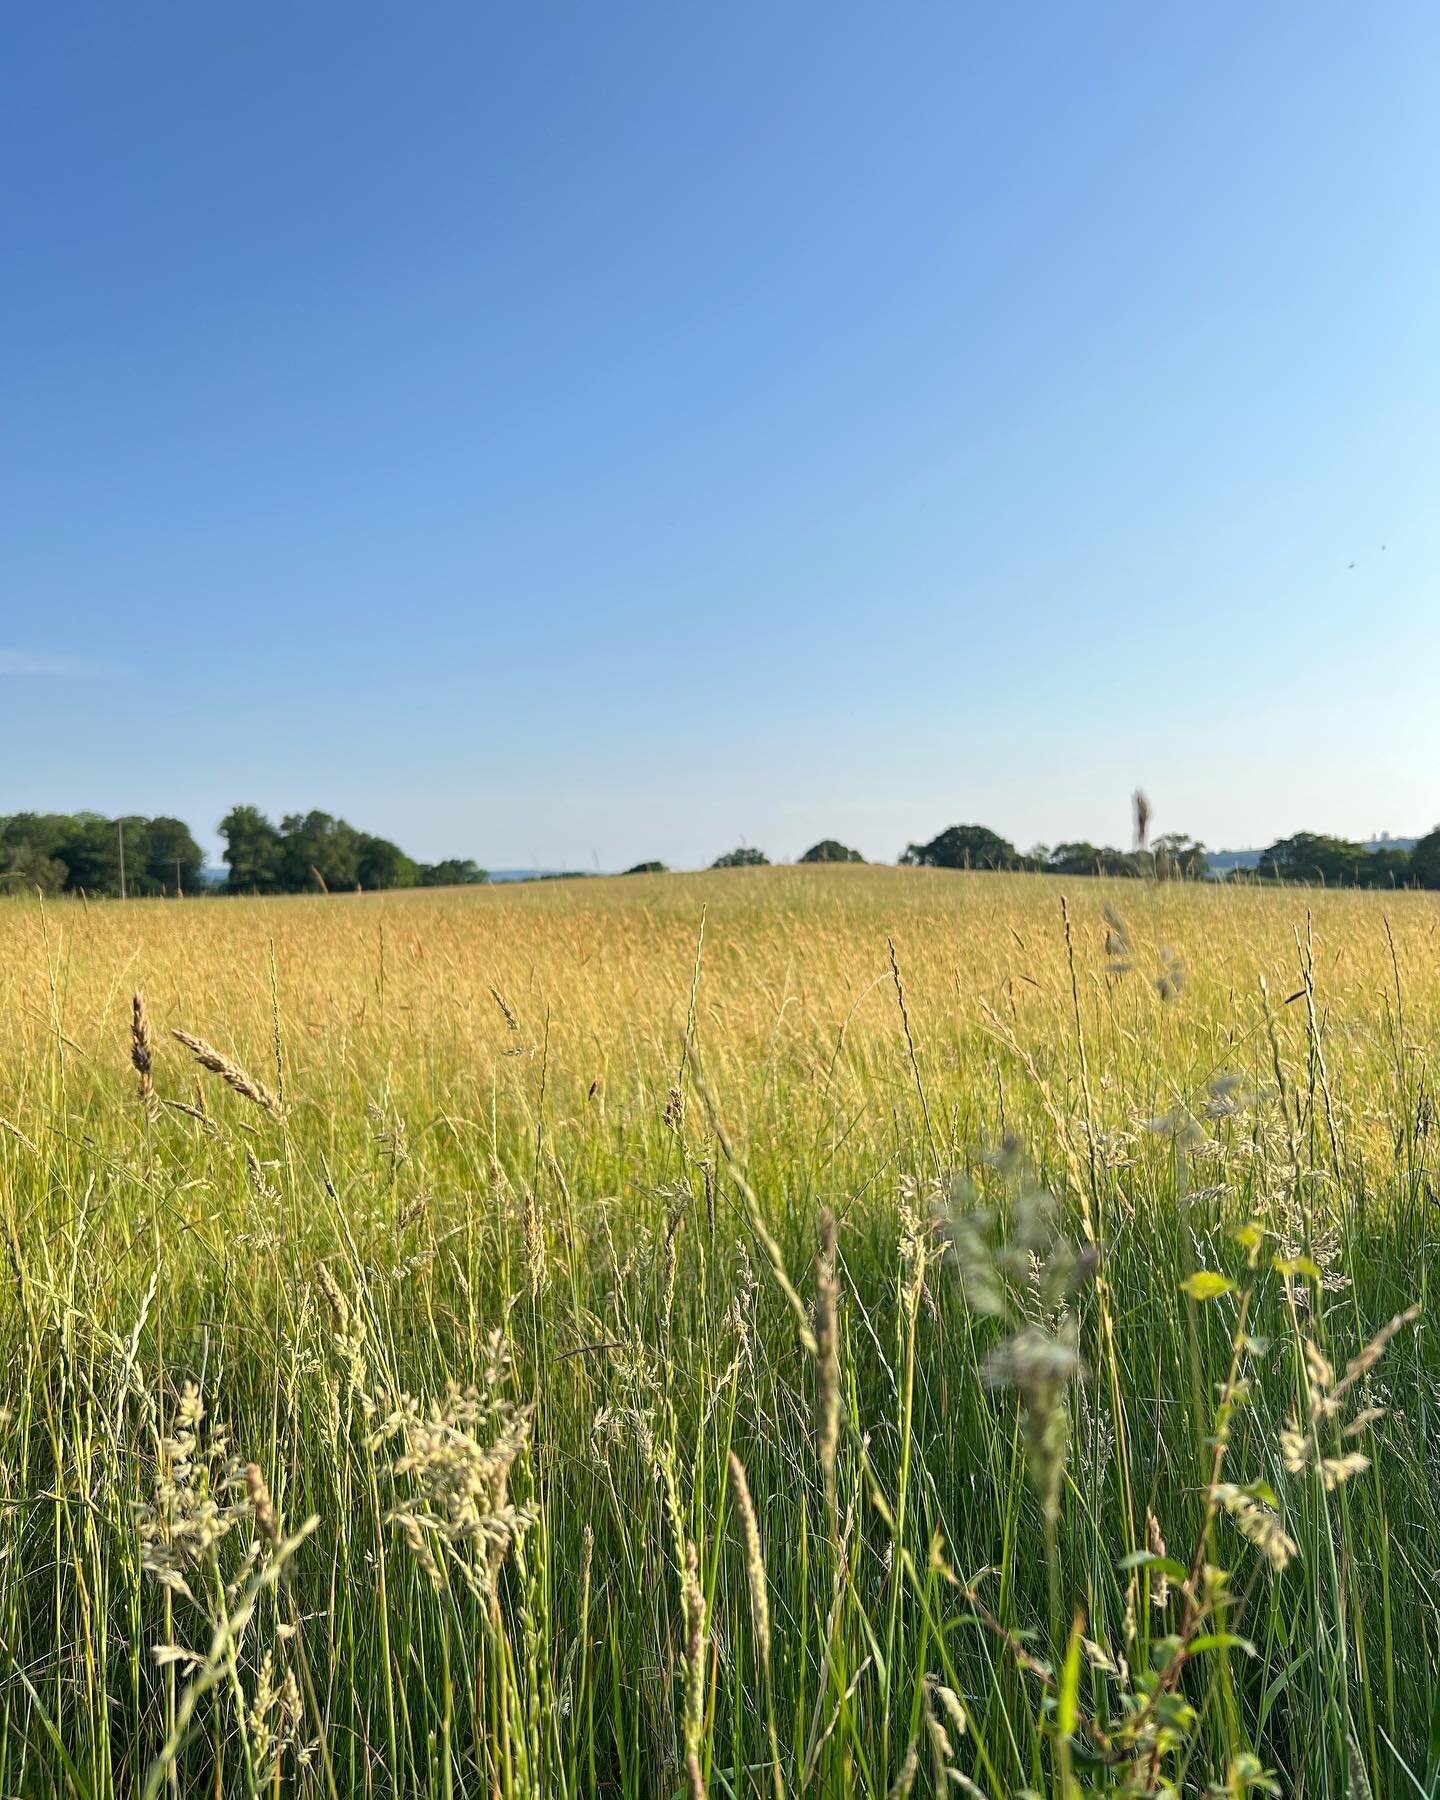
{"x":648,"y":868}
{"x":168,"y":857}
{"x":453,"y":871}
{"x":1311,"y":856}
{"x":743,"y":858}
{"x":1092,"y":859}
{"x":252,"y":851}
{"x":1179,"y":857}
{"x":1388,"y":866}
{"x":40,"y":831}
{"x":26,"y":867}
{"x":963,"y":847}
{"x":90,"y":851}
{"x":1425,"y":860}
{"x":381,"y":864}
{"x":830,"y":850}
{"x":29,"y":859}
{"x":316,"y":844}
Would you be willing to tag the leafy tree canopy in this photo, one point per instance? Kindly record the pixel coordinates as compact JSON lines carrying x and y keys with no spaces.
{"x":1312,"y":856}
{"x":452,"y":871}
{"x":648,"y":868}
{"x":830,"y":850}
{"x":172,"y":858}
{"x":252,"y":851}
{"x":1091,"y":859}
{"x":381,"y":864}
{"x":1425,"y":860}
{"x":964,"y":847}
{"x":743,"y":858}
{"x":313,"y":850}
{"x":26,"y":868}
{"x":71,"y":852}
{"x":1178,"y":855}
{"x":317,"y":850}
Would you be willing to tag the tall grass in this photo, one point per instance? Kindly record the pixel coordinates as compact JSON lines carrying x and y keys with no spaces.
{"x":904,"y":1336}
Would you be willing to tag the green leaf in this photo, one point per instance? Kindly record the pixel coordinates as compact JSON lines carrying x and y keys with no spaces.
{"x":1163,"y":1651}
{"x":1206,"y":1284}
{"x":1221,"y":1640}
{"x":1147,"y":1559}
{"x":1298,"y":1265}
{"x":1176,"y":1711}
{"x":1068,"y":1710}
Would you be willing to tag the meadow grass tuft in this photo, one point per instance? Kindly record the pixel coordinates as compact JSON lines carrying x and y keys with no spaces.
{"x":832,"y":1331}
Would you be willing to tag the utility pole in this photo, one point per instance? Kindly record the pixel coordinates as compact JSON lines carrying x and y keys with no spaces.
{"x":120,"y":833}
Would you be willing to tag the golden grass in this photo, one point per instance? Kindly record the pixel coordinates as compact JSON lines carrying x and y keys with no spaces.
{"x":518,"y":1151}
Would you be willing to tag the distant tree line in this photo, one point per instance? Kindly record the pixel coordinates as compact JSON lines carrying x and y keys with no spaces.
{"x":1308,"y":857}
{"x":85,"y":852}
{"x":1174,"y":856}
{"x":316,"y":850}
{"x":1337,"y":862}
{"x":88,"y":853}
{"x":828,"y":850}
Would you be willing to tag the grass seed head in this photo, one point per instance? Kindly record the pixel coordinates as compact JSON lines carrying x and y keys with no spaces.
{"x":1257,"y":1522}
{"x":827,"y":1356}
{"x":696,"y":1638}
{"x":142,"y":1056}
{"x":229,"y":1072}
{"x":754,"y":1559}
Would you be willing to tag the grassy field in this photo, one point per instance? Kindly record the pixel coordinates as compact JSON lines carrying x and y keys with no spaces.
{"x":652,"y":1337}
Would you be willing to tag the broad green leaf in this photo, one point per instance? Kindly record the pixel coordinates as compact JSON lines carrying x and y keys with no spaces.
{"x":1206,"y":1284}
{"x":1147,"y":1559}
{"x":1298,"y":1265}
{"x":1068,"y":1710}
{"x":1220,"y":1640}
{"x":1163,"y":1651}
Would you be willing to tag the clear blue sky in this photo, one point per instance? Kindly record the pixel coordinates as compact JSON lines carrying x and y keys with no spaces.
{"x":556,"y":433}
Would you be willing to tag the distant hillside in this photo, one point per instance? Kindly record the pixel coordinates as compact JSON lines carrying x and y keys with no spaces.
{"x":1221,"y":862}
{"x":215,"y":877}
{"x":539,"y":874}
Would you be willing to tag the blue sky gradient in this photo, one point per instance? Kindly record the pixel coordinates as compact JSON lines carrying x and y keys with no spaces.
{"x":575,"y":434}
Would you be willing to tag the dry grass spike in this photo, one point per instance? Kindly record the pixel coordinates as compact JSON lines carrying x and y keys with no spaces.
{"x":142,"y":1056}
{"x":827,"y":1356}
{"x":230,"y":1073}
